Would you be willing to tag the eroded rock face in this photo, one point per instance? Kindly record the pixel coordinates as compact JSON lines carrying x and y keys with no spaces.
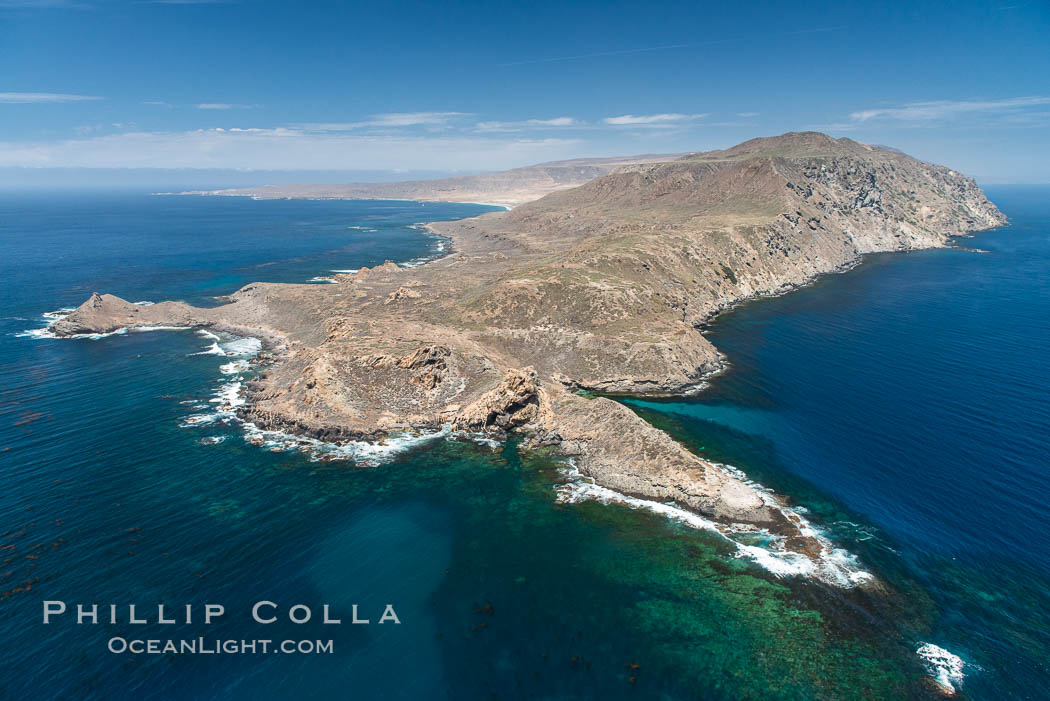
{"x":602,"y":287}
{"x":510,"y":404}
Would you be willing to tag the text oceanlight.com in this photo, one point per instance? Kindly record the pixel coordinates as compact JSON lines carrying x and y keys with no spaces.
{"x":202,"y":646}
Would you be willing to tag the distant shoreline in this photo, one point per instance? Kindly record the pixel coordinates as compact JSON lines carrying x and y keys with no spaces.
{"x":229,"y":193}
{"x":507,"y":188}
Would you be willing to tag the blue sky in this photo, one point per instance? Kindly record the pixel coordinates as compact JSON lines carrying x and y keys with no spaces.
{"x":455,"y":86}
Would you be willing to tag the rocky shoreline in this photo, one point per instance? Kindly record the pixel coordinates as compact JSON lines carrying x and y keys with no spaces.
{"x":603,"y":288}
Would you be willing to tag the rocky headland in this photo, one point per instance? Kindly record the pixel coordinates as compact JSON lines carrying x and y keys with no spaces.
{"x":602,"y":287}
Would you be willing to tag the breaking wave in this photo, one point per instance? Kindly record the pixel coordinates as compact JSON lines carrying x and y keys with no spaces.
{"x":222,"y":407}
{"x":234,"y":367}
{"x":213,"y":349}
{"x":243,"y":347}
{"x":361,"y":452}
{"x":943,"y":666}
{"x":833,"y":566}
{"x":49,"y":319}
{"x":439,"y":248}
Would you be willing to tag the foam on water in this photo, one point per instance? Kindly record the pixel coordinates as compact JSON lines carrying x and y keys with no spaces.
{"x":478,"y":438}
{"x":49,"y":319}
{"x":44,"y":332}
{"x":235,"y":347}
{"x":224,"y":404}
{"x":360,"y":452}
{"x":833,"y":566}
{"x":234,"y":367}
{"x":439,"y":250}
{"x":244,"y":347}
{"x":213,"y":349}
{"x":228,"y":398}
{"x":200,"y":419}
{"x":943,"y":666}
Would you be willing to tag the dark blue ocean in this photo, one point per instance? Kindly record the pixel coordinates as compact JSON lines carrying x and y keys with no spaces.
{"x":902,"y":404}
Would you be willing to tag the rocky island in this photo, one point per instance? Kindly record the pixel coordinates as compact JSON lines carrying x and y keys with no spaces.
{"x":596,"y":289}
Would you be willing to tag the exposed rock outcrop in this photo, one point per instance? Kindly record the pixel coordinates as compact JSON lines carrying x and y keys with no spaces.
{"x":512,"y":403}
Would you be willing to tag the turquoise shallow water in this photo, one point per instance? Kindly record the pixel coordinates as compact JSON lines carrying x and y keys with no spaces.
{"x":501,"y":591}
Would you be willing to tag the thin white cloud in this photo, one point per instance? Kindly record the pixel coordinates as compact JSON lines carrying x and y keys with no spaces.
{"x":285,"y":149}
{"x":89,"y":129}
{"x":391,"y":120}
{"x":526,"y":124}
{"x":42,"y":97}
{"x":224,"y":106}
{"x":936,"y":110}
{"x":408,"y":119}
{"x":329,"y":126}
{"x":556,"y":122}
{"x":746,"y":115}
{"x":651,"y":120}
